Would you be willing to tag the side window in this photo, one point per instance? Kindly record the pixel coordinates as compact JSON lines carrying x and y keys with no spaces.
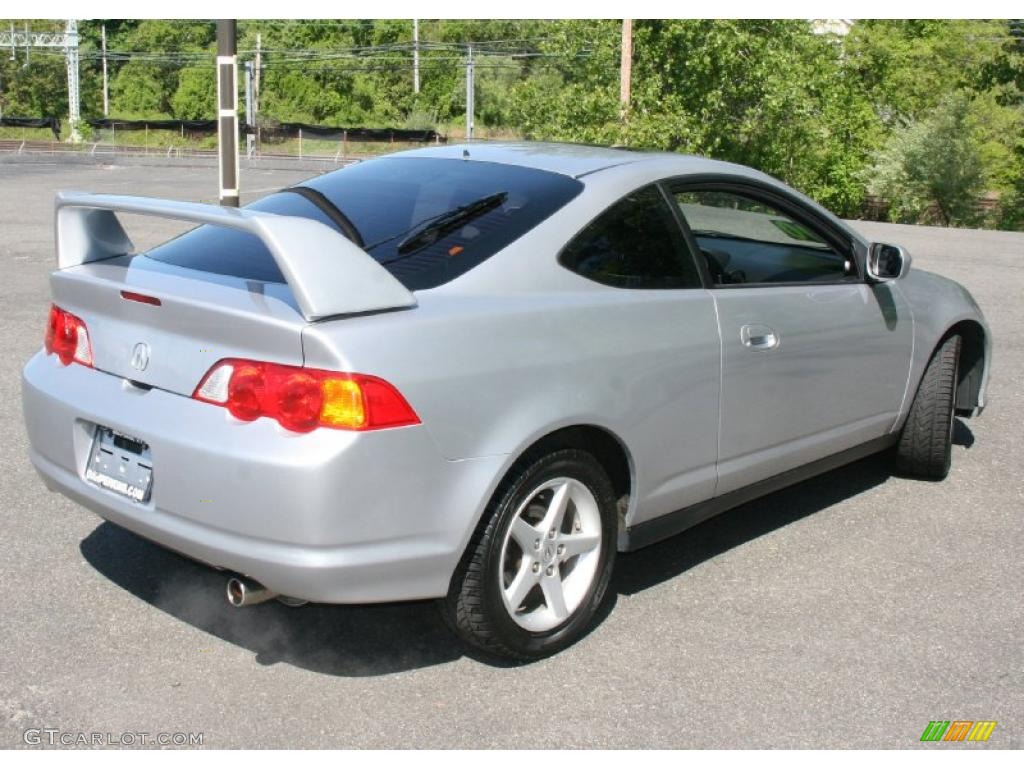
{"x":744,"y":240}
{"x":637,"y":243}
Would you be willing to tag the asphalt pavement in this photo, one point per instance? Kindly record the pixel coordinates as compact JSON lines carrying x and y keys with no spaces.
{"x":847,"y":611}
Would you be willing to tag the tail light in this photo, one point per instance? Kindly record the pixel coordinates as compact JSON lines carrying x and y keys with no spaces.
{"x":302,"y":399}
{"x":67,"y":337}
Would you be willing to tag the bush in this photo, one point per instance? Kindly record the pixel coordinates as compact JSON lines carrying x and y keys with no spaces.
{"x":934,"y":164}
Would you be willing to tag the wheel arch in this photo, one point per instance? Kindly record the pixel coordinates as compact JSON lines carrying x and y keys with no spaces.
{"x":608,"y":449}
{"x":973,"y":360}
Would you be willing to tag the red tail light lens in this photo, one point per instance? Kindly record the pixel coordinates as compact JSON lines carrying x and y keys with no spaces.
{"x":245,"y":392}
{"x":302,"y":399}
{"x":67,"y":337}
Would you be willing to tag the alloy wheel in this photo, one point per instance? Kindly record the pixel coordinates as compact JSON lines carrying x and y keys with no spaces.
{"x":550,"y":554}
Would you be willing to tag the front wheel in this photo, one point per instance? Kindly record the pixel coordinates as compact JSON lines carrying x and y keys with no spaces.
{"x":538,"y":568}
{"x":925,"y":448}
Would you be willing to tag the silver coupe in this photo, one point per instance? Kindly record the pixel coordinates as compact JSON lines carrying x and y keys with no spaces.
{"x":476,"y":373}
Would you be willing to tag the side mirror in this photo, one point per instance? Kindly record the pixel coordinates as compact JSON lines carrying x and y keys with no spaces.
{"x":887,"y":262}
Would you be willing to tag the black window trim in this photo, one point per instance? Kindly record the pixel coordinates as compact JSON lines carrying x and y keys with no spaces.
{"x":691,"y":242}
{"x":839,"y":240}
{"x":330,"y":210}
{"x":676,"y":216}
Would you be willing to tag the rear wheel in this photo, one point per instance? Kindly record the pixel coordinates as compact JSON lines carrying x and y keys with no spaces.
{"x":538,"y":568}
{"x":925,"y":447}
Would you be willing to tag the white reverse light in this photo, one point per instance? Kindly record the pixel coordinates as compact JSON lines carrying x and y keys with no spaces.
{"x":215,"y":388}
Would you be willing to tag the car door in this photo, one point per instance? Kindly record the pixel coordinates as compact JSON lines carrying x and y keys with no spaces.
{"x":814,"y":359}
{"x":657,"y":347}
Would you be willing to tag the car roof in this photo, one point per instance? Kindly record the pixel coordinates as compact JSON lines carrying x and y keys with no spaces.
{"x":612,"y":166}
{"x":574,"y":160}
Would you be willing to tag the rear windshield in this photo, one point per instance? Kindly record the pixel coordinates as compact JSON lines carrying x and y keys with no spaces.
{"x":396,"y":207}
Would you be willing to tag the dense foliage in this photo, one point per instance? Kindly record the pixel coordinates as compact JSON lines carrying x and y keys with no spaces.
{"x":927,"y":115}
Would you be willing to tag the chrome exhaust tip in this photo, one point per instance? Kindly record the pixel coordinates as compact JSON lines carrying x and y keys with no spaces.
{"x":243,"y":592}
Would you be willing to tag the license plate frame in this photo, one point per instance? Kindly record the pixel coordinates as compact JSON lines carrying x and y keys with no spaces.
{"x":121,"y":464}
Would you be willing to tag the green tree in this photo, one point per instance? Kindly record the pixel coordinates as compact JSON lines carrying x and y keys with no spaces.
{"x":33,"y":83}
{"x":138,"y":91}
{"x":195,"y":98}
{"x":1012,"y":207}
{"x":814,"y":110}
{"x":933,"y":163}
{"x":37,"y":90}
{"x":768,"y":94}
{"x":145,"y":85}
{"x":908,"y":67}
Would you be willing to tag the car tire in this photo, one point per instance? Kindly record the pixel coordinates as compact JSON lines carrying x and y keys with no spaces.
{"x":926,"y":443}
{"x":526,"y":592}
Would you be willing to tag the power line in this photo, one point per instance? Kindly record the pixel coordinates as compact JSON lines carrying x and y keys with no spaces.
{"x":301,"y":56}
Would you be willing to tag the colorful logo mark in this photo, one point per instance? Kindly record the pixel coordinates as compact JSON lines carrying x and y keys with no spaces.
{"x":958,"y":730}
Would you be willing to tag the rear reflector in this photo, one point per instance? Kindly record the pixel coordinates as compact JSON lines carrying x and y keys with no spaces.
{"x":67,"y":337}
{"x":302,"y":399}
{"x":140,"y":297}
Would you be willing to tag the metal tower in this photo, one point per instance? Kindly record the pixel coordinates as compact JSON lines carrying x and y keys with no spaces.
{"x":67,"y":41}
{"x":71,"y":56}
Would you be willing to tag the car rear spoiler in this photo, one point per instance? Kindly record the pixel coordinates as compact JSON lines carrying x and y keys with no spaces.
{"x":327,"y":273}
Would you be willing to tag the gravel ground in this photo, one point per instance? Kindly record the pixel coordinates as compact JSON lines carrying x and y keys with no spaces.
{"x":847,"y":611}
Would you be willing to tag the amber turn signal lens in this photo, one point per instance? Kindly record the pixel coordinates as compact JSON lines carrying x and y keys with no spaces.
{"x":343,"y":404}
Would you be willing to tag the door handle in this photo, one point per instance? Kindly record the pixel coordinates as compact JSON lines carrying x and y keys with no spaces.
{"x":759,"y":337}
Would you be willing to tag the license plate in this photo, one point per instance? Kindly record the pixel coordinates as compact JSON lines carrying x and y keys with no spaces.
{"x":120,"y":463}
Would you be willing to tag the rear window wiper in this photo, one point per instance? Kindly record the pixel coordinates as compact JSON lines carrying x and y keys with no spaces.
{"x":438,"y":226}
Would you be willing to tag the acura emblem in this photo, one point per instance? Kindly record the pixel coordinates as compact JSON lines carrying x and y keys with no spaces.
{"x":140,"y":356}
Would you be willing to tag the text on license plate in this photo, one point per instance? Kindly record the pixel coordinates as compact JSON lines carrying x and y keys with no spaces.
{"x":120,"y":463}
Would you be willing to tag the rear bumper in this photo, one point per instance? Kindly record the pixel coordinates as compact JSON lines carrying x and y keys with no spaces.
{"x":329,"y":516}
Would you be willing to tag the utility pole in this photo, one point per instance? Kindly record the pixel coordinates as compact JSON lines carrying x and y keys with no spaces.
{"x":626,"y":64}
{"x":106,"y":95}
{"x":470,"y":106}
{"x":227,"y":110}
{"x":415,"y":55}
{"x":257,"y":68}
{"x":250,"y":139}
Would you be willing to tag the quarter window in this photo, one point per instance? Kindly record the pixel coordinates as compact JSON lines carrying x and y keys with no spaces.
{"x":637,"y":243}
{"x":744,"y":240}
